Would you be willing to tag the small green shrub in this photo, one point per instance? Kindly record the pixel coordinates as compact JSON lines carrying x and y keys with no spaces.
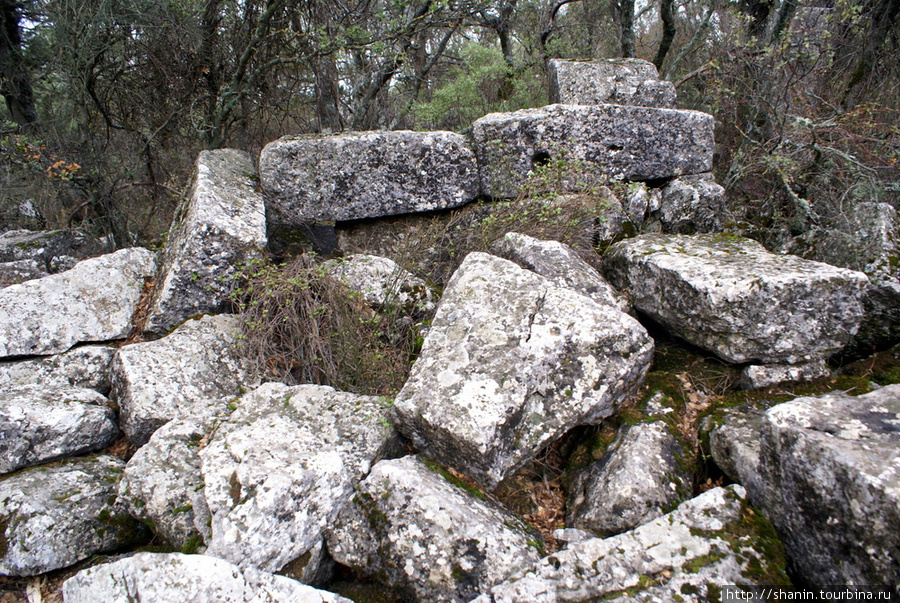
{"x":303,"y":326}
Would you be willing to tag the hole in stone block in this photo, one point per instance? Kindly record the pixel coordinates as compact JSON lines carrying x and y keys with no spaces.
{"x":540,"y":158}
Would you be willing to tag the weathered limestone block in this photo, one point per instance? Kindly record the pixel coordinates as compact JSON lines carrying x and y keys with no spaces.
{"x":413,"y":529}
{"x":706,"y":542}
{"x":758,"y":376}
{"x":366,"y":174}
{"x":163,"y":485}
{"x":54,"y":516}
{"x":19,"y":271}
{"x":637,"y":480}
{"x":833,"y":464}
{"x":220,"y":225}
{"x":734,"y":443}
{"x":186,"y":374}
{"x":730,"y":296}
{"x":382,"y":282}
{"x":609,"y":81}
{"x":691,"y":205}
{"x":94,"y":301}
{"x":559,"y":263}
{"x":512,"y":362}
{"x":45,"y":246}
{"x":618,"y":142}
{"x":86,"y":366}
{"x":177,"y":578}
{"x":282,"y":466}
{"x":41,"y":423}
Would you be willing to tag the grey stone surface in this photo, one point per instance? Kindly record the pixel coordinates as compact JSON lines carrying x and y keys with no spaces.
{"x":44,"y":246}
{"x":833,"y":464}
{"x":734,"y":443}
{"x":691,"y":205}
{"x":41,"y":423}
{"x":512,"y":362}
{"x":177,"y":578}
{"x":94,"y":301}
{"x":366,"y":174}
{"x":186,"y":374}
{"x":705,"y":541}
{"x":559,"y":263}
{"x":637,"y":480}
{"x":282,"y":466}
{"x":412,"y":528}
{"x":730,"y":296}
{"x":383,"y":283}
{"x":19,"y":271}
{"x":86,"y":366}
{"x":220,"y":225}
{"x":609,"y":81}
{"x":54,"y":516}
{"x":618,"y":142}
{"x":163,"y":485}
{"x":758,"y":376}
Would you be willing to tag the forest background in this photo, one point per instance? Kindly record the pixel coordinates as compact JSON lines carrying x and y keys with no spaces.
{"x":107,"y":102}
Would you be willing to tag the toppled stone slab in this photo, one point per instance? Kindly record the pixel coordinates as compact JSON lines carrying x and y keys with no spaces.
{"x":40,"y":423}
{"x":691,"y":205}
{"x":609,"y":81}
{"x":55,"y":516}
{"x":413,"y":529}
{"x":94,"y":301}
{"x":163,"y":485}
{"x":613,"y":142}
{"x":734,"y":443}
{"x":176,"y":578}
{"x":637,"y":480}
{"x":708,"y":541}
{"x":86,"y":367}
{"x":512,"y":362}
{"x":730,"y":296}
{"x":758,"y":376}
{"x":383,"y":283}
{"x":559,"y":263}
{"x":833,"y":464}
{"x":51,"y":249}
{"x":220,"y":225}
{"x":366,"y":174}
{"x":282,"y":466}
{"x":186,"y":374}
{"x":13,"y":273}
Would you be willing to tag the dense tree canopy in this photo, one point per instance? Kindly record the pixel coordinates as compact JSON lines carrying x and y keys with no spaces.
{"x":108,"y":101}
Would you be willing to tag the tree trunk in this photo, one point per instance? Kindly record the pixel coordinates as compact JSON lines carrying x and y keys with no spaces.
{"x":668,"y":22}
{"x":626,"y":8}
{"x":15,"y":84}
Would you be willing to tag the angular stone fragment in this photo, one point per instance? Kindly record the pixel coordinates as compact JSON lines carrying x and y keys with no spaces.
{"x":512,"y":362}
{"x":734,"y":443}
{"x":279,"y":470}
{"x":637,"y":480}
{"x":691,"y":205}
{"x":617,"y":142}
{"x":730,"y":296}
{"x":708,"y":541}
{"x":220,"y":225}
{"x":609,"y":81}
{"x":833,"y":465}
{"x":40,"y":424}
{"x":94,"y":301}
{"x":86,"y":367}
{"x":759,"y":376}
{"x":186,"y":374}
{"x":13,"y":273}
{"x":366,"y":174}
{"x":54,"y":516}
{"x":163,"y":485}
{"x":177,"y":578}
{"x":45,"y":246}
{"x":559,"y":263}
{"x":383,"y":283}
{"x":411,"y":528}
